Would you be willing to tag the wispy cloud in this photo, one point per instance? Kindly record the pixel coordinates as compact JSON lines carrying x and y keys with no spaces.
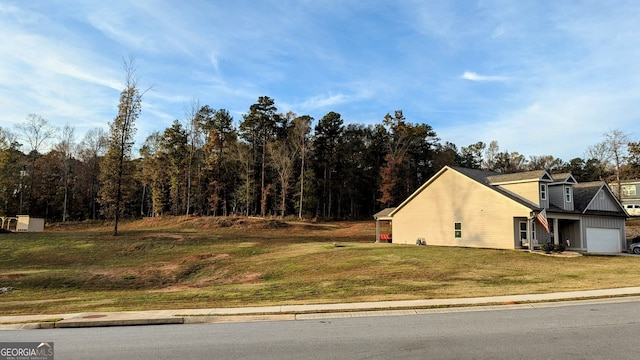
{"x":472,"y":76}
{"x":527,"y":74}
{"x":324,"y":101}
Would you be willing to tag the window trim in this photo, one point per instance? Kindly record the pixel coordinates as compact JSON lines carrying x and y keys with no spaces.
{"x":543,"y":191}
{"x":568,"y":194}
{"x":457,"y":230}
{"x":523,"y":231}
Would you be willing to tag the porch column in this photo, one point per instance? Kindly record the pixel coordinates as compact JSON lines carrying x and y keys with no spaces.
{"x":529,"y":237}
{"x":377,"y":230}
{"x":556,"y":236}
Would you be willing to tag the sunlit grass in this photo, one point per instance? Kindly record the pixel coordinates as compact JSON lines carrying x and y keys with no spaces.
{"x":196,"y":264}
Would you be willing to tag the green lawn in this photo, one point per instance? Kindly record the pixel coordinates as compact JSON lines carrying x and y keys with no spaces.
{"x":208,"y":262}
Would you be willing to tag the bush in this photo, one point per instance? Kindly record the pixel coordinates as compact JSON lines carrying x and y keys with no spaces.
{"x":548,"y":247}
{"x":560,"y":248}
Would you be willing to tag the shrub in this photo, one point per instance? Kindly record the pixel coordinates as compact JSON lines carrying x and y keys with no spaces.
{"x":548,"y":247}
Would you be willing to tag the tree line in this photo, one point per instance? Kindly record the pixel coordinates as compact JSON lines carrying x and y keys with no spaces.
{"x":269,"y":163}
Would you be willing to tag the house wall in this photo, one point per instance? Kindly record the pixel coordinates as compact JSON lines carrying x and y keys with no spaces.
{"x":557,"y":198}
{"x":637,"y":195}
{"x":628,"y":186}
{"x":603,"y":201}
{"x":527,"y":190}
{"x":487,"y":217}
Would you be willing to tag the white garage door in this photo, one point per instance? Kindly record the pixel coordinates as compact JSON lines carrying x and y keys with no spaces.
{"x":603,"y":240}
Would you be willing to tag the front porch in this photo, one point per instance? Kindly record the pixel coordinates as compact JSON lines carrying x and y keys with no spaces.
{"x":383,"y":226}
{"x":564,"y":231}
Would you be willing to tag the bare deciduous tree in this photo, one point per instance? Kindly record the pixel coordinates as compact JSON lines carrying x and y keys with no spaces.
{"x":36,"y":131}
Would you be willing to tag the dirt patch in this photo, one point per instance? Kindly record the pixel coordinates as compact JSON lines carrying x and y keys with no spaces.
{"x":207,"y":222}
{"x":163,"y":235}
{"x":633,"y":232}
{"x":12,"y":276}
{"x":200,"y":257}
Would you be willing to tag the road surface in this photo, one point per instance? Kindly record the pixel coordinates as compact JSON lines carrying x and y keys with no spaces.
{"x":585,"y":331}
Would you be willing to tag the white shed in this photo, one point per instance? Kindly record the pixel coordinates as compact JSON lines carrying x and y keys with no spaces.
{"x":29,"y":224}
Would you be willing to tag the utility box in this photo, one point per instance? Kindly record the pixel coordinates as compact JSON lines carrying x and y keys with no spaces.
{"x":29,"y":224}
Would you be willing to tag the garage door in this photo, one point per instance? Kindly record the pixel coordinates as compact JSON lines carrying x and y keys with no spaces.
{"x":603,"y":240}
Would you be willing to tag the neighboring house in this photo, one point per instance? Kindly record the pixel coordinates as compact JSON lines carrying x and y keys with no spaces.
{"x":630,"y":195}
{"x":475,"y":208}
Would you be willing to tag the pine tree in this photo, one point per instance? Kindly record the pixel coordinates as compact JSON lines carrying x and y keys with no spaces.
{"x":116,"y":172}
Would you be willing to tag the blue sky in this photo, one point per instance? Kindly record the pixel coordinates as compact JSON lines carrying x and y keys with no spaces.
{"x":540,"y":77}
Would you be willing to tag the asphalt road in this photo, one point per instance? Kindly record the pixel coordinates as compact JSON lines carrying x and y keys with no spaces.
{"x":586,"y":331}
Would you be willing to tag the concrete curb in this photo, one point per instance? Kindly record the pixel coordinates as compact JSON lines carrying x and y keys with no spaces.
{"x":296,"y":312}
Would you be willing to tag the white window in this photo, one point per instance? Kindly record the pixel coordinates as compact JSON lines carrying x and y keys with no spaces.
{"x":543,"y":191}
{"x":567,"y":194}
{"x":628,"y":190}
{"x":523,"y":231}
{"x":457,"y":230}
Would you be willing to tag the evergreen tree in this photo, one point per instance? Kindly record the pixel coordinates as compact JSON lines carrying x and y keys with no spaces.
{"x":219,"y":169}
{"x":116,"y":173}
{"x":259,"y":127}
{"x":328,"y":135}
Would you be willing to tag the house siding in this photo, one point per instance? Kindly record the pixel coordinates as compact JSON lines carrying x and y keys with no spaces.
{"x":603,"y":201}
{"x":557,"y":197}
{"x":486,"y":216}
{"x":527,"y":190}
{"x":637,"y":195}
{"x":633,"y":185}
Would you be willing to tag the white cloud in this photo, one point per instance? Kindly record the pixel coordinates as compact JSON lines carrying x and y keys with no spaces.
{"x":323,"y":102}
{"x":472,"y":76}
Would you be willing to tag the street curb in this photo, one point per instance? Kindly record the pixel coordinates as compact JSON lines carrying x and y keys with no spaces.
{"x":117,"y":322}
{"x":309,"y":311}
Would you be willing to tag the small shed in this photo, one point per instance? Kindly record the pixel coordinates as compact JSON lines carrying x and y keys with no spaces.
{"x":383,"y":216}
{"x":8,"y":222}
{"x":29,"y":224}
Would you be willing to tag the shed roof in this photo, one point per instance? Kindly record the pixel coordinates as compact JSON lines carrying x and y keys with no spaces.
{"x":384,"y":214}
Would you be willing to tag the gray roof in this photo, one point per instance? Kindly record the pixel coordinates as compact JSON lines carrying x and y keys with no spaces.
{"x":519,"y":176}
{"x":562,"y":177}
{"x":383,"y":214}
{"x":583,"y":193}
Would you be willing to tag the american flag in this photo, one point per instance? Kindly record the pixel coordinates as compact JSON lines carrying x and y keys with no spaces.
{"x":542,"y":218}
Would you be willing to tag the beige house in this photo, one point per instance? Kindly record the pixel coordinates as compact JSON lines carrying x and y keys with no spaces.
{"x":475,"y":208}
{"x":629,"y":195}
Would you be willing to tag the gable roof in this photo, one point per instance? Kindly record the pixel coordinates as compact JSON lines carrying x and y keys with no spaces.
{"x":479,"y":176}
{"x":488,"y":178}
{"x":526,"y":176}
{"x":565,"y":178}
{"x":585,"y":193}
